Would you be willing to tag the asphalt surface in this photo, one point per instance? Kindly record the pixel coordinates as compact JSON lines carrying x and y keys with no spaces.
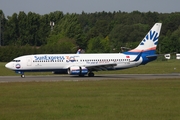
{"x":54,"y":78}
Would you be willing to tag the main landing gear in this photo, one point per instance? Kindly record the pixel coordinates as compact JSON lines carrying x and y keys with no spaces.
{"x":91,"y":74}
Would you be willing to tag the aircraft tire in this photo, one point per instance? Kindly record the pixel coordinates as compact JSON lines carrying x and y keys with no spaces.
{"x":23,"y":76}
{"x":91,"y":74}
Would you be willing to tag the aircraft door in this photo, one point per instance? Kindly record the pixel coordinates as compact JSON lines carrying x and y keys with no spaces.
{"x":29,"y":62}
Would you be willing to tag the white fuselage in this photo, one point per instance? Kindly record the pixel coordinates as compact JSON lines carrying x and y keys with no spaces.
{"x":51,"y":62}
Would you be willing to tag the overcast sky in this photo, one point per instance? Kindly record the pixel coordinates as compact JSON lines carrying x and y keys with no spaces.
{"x":89,"y":6}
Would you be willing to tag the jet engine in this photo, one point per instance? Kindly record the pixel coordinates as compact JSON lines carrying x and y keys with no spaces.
{"x":76,"y":70}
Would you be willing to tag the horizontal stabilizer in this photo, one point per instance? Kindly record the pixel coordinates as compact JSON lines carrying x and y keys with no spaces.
{"x":151,"y":56}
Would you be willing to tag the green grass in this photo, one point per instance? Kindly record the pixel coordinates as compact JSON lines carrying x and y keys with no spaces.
{"x":155,"y":67}
{"x":91,"y":100}
{"x":94,"y":100}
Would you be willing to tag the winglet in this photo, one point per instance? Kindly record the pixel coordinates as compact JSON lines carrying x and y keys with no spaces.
{"x":79,"y":51}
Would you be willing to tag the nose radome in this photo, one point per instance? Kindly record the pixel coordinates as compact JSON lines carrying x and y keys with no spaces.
{"x":8,"y":66}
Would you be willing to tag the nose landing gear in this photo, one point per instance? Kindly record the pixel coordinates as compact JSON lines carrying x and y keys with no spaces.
{"x":22,"y":75}
{"x":20,"y":72}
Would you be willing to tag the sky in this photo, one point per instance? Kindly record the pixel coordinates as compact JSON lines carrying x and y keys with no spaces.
{"x":88,"y":6}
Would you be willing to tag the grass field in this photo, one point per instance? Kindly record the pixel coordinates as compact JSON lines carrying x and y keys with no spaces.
{"x":94,"y":100}
{"x":91,"y":100}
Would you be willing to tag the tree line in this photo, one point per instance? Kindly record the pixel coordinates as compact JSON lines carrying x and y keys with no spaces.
{"x":99,"y":32}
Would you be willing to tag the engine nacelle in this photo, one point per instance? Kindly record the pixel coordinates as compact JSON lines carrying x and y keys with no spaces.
{"x":76,"y":70}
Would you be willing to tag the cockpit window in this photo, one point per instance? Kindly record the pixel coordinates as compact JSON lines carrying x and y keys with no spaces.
{"x":16,"y":60}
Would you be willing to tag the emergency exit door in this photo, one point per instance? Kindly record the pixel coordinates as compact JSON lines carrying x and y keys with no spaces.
{"x":29,"y":62}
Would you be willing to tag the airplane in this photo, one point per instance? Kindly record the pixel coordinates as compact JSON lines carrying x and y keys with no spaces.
{"x":85,"y":64}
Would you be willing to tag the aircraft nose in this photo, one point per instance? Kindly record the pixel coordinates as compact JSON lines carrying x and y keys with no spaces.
{"x":8,"y":65}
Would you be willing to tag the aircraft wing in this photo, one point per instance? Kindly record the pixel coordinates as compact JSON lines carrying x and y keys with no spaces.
{"x":101,"y":67}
